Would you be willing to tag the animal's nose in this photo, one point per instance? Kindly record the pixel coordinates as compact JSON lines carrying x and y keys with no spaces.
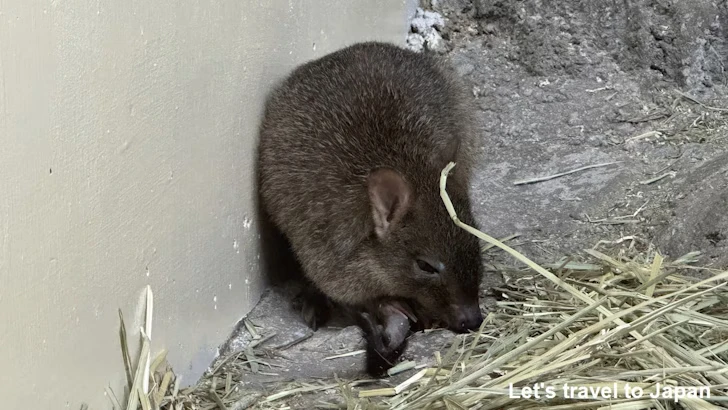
{"x":466,"y":317}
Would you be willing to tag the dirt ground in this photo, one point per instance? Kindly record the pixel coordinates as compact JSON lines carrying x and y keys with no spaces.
{"x":562,"y":84}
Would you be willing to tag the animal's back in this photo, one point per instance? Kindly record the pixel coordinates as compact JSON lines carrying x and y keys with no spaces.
{"x":335,"y":119}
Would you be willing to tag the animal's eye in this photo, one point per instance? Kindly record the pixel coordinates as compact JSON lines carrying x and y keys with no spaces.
{"x":427,"y":267}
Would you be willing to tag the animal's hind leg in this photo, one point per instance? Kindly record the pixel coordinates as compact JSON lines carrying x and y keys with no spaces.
{"x":315,"y":306}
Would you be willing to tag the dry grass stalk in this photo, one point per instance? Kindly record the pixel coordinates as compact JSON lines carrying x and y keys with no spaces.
{"x":561,"y":174}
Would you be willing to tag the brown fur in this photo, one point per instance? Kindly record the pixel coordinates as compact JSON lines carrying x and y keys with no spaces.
{"x":351,"y":150}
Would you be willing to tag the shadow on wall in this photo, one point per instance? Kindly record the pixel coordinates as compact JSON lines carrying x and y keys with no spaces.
{"x":277,"y":259}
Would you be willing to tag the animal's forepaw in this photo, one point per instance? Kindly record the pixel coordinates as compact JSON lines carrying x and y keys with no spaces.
{"x":385,"y":343}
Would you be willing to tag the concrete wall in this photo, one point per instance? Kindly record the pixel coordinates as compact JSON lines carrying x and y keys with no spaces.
{"x":127,"y":131}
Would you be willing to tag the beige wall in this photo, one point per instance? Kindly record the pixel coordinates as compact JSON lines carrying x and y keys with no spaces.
{"x":127,"y":131}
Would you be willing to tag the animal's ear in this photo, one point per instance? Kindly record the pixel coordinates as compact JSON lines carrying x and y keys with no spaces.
{"x":390,"y":196}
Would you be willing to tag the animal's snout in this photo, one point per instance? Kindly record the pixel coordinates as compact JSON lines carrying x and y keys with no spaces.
{"x":466,"y":317}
